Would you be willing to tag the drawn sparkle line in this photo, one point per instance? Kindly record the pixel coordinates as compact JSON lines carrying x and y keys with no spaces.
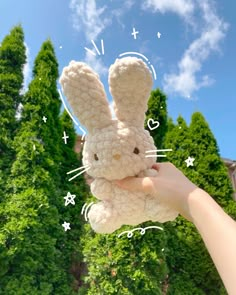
{"x":135,"y":33}
{"x":86,"y":211}
{"x":62,"y":99}
{"x":79,"y":173}
{"x":65,"y":137}
{"x":154,"y":72}
{"x":82,"y":212}
{"x":143,"y":56}
{"x":134,"y":52}
{"x":102,"y":44}
{"x":84,"y":133}
{"x":90,"y":51}
{"x":82,"y":167}
{"x":95,"y":46}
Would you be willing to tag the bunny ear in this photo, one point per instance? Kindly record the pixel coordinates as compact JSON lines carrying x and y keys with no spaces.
{"x":130,"y":83}
{"x":86,"y":95}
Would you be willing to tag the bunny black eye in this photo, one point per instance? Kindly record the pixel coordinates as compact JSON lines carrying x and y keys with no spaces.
{"x":96,"y":157}
{"x":136,"y":151}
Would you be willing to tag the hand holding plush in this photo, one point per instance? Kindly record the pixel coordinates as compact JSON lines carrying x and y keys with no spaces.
{"x":115,"y":148}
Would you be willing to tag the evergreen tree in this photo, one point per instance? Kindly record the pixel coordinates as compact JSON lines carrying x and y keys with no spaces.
{"x":177,"y":140}
{"x":12,"y":59}
{"x":122,"y":265}
{"x":70,"y":160}
{"x":191,"y":267}
{"x":157,"y":111}
{"x":31,"y":261}
{"x":212,"y":173}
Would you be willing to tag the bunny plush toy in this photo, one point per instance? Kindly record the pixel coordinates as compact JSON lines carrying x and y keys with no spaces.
{"x":115,"y":148}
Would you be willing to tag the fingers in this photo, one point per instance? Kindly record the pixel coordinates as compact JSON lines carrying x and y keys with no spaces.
{"x":156,"y":166}
{"x":145,"y":184}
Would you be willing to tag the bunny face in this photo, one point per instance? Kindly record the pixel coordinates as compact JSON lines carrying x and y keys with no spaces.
{"x":113,"y":149}
{"x":117,"y":151}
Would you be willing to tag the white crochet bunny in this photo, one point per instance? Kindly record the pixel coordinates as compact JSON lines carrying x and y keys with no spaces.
{"x":115,"y":148}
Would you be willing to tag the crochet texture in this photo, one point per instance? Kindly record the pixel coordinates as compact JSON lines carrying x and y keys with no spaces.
{"x":115,"y":148}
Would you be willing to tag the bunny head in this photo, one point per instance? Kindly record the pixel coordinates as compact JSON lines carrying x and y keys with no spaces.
{"x":113,"y":148}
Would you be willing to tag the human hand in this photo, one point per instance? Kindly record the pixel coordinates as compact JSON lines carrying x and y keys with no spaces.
{"x":170,"y":186}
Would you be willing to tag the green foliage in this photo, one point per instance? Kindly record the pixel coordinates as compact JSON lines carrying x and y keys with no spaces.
{"x":12,"y":53}
{"x":70,"y":161}
{"x":12,"y":59}
{"x":157,"y":110}
{"x":36,"y":255}
{"x":32,"y":240}
{"x":209,"y":171}
{"x":122,"y":265}
{"x":190,"y":265}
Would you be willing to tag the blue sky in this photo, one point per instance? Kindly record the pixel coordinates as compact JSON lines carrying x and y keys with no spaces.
{"x":194,"y":58}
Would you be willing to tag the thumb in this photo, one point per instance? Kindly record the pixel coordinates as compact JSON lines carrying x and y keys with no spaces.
{"x":143,"y":184}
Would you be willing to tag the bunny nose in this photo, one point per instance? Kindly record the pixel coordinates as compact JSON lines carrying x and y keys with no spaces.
{"x":116,"y":156}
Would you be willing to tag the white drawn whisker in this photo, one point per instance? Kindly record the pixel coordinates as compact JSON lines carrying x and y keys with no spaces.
{"x":82,"y":167}
{"x":164,"y":150}
{"x":155,"y":151}
{"x":81,"y":172}
{"x":153,"y":156}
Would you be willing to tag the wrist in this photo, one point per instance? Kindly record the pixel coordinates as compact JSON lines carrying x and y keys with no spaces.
{"x":202,"y":207}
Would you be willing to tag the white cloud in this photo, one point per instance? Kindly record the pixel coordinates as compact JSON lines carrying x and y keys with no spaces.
{"x":88,"y":17}
{"x":186,"y":80}
{"x":93,"y":20}
{"x":26,"y":70}
{"x":118,"y":13}
{"x":96,"y":64}
{"x":181,"y":7}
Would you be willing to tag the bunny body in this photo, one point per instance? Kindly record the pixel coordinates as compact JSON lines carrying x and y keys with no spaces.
{"x":118,"y":207}
{"x":115,"y":148}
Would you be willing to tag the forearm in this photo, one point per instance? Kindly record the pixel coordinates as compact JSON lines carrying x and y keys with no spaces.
{"x":218,"y":232}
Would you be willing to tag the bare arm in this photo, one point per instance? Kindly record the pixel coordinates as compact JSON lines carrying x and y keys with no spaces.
{"x":218,"y":232}
{"x":217,"y":229}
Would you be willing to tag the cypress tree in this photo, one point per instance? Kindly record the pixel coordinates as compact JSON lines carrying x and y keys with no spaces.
{"x":191,"y":267}
{"x":157,"y":111}
{"x":12,"y":59}
{"x":176,"y":140}
{"x":33,"y":262}
{"x":212,"y":173}
{"x":122,"y":265}
{"x":78,"y":187}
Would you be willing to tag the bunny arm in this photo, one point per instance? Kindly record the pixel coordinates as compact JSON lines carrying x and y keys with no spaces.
{"x":101,"y":188}
{"x":116,"y":208}
{"x":119,"y":207}
{"x":103,"y":216}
